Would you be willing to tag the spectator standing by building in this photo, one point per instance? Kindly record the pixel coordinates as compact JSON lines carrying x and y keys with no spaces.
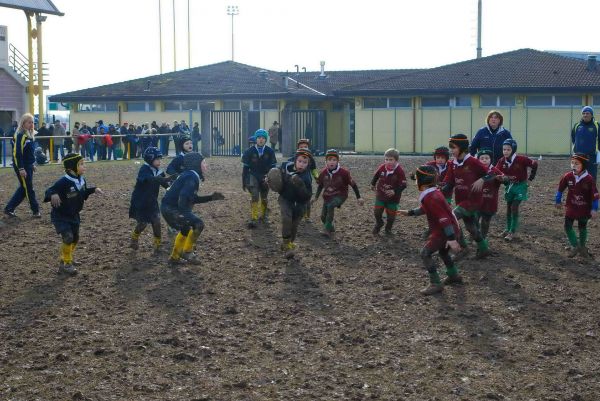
{"x":274,"y":135}
{"x":491,"y":136}
{"x":585,"y":139}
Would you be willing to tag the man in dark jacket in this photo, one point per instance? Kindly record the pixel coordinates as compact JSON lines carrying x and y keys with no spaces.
{"x":585,"y":138}
{"x":491,"y":136}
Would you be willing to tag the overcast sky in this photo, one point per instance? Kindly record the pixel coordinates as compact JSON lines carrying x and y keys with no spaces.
{"x":104,"y":41}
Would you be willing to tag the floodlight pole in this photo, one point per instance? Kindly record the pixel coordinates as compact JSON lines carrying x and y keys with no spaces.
{"x":233,"y":11}
{"x":189,"y":41}
{"x":479,"y":28}
{"x":39,"y":19}
{"x":160,"y":36}
{"x":30,"y":86}
{"x":174,"y":41}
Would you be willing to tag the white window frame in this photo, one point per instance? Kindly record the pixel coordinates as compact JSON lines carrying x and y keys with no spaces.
{"x":553,"y":105}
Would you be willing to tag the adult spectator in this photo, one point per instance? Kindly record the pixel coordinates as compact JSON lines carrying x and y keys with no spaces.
{"x":24,"y":165}
{"x":43,"y":142}
{"x":164,"y":138}
{"x":75,"y":136}
{"x":274,"y":135}
{"x":58,"y":134}
{"x":585,"y":138}
{"x":176,"y":131}
{"x":195,"y":136}
{"x":132,"y":140}
{"x":491,"y":136}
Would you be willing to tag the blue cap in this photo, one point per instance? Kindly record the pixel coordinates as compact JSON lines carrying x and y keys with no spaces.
{"x":261,"y":132}
{"x":587,"y":109}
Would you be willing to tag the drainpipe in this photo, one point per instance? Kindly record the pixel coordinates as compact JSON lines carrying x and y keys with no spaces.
{"x":395,"y":127}
{"x":414,"y":125}
{"x":372,"y":133}
{"x":526,"y":127}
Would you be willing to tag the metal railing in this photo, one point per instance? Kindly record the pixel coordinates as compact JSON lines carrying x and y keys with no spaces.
{"x":20,"y":65}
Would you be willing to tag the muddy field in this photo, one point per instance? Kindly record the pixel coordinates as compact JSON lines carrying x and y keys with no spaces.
{"x":341,"y":321}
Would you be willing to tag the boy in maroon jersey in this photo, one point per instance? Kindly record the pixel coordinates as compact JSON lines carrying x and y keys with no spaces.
{"x":514,"y":167}
{"x":333,"y":181}
{"x":441,"y":156}
{"x":389,"y":181}
{"x":466,"y":176}
{"x":581,"y":204}
{"x":443,"y":230}
{"x":489,"y":204}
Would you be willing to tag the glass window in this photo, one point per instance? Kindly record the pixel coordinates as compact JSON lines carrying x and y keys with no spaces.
{"x":112,"y":106}
{"x":539,"y":100}
{"x":269,"y":105}
{"x":462,"y":101}
{"x":375,"y":103}
{"x":256,"y":105}
{"x":488,"y":100}
{"x":338,"y":106}
{"x":231,"y":105}
{"x":400,"y":102}
{"x":172,"y":106}
{"x":596,"y":99}
{"x":207,"y":105}
{"x":506,"y":100}
{"x":136,"y":106}
{"x":567,"y":100}
{"x":189,"y":105}
{"x":437,"y":101}
{"x":151,"y":106}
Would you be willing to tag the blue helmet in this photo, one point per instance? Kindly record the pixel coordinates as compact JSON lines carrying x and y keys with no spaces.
{"x":512,"y":143}
{"x":152,"y":154}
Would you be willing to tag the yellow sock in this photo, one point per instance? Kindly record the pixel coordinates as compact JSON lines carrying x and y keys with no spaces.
{"x":178,"y":246}
{"x":135,"y":235}
{"x":254,"y":210}
{"x":157,"y":242}
{"x":66,"y":253}
{"x":190,"y":240}
{"x":263,"y":208}
{"x":73,"y":245}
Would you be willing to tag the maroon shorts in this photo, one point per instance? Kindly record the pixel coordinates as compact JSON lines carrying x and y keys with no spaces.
{"x":436,"y":242}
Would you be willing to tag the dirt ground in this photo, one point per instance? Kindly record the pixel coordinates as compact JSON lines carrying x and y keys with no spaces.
{"x":341,"y":321}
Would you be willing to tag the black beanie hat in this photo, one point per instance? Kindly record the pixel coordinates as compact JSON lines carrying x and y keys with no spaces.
{"x":426,"y":175}
{"x":460,"y":140}
{"x":70,"y":161}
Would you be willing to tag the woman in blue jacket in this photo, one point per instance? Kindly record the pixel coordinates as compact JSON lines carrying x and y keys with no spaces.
{"x":491,"y":136}
{"x":24,"y":166}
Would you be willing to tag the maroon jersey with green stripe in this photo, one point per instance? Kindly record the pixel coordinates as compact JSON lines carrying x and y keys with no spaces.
{"x":582,"y":193}
{"x":516,"y":168}
{"x":461,"y":176}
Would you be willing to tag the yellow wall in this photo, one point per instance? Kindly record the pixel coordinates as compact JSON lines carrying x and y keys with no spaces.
{"x":134,"y":117}
{"x":537,"y":130}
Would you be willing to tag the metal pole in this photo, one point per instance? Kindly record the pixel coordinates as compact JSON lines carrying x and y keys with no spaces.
{"x":232,"y":36}
{"x":160,"y":36}
{"x":174,"y":41}
{"x":30,"y":63}
{"x":40,"y":66}
{"x":188,"y":26}
{"x":479,"y":6}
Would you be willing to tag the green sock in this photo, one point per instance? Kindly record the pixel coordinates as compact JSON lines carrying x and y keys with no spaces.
{"x":329,"y":226}
{"x":462,"y":241}
{"x":434,"y":278}
{"x":483,"y":245}
{"x":583,"y":235}
{"x":572,"y":237}
{"x":515,"y":222}
{"x":451,"y":271}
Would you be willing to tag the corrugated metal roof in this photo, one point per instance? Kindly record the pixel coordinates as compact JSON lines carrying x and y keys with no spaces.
{"x":40,"y":6}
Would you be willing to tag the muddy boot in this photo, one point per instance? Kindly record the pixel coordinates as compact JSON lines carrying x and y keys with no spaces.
{"x":377,"y":228}
{"x":289,"y":248}
{"x":252,"y":223}
{"x":176,"y":262}
{"x":432,"y":289}
{"x":134,"y":244}
{"x":191,"y":258}
{"x":389,"y":224}
{"x":585,"y":252}
{"x":483,"y":253}
{"x":67,"y":268}
{"x":454,"y":280}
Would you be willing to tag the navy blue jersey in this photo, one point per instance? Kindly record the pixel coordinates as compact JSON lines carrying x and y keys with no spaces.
{"x":23,"y":150}
{"x":258,"y":162}
{"x":73,"y":192}
{"x":144,"y":199}
{"x":291,"y":191}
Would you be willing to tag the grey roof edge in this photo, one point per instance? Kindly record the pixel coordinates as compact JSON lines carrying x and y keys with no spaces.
{"x":420,"y":92}
{"x":36,"y":10}
{"x":175,"y":97}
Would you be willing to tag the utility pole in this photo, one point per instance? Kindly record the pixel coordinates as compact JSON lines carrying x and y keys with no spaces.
{"x":160,"y":36}
{"x":189,"y":41}
{"x":478,"y":28}
{"x":174,"y":41}
{"x":233,"y":11}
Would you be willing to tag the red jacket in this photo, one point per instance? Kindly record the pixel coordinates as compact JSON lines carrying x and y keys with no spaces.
{"x":83,"y":138}
{"x":386,"y":180}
